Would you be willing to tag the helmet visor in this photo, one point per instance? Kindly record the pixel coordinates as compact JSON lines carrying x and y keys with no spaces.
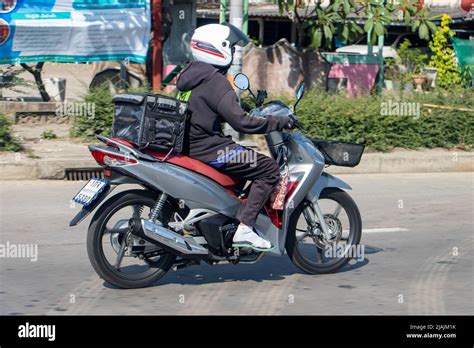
{"x":236,"y":36}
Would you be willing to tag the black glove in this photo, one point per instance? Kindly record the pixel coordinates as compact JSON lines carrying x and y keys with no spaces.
{"x":285,"y":122}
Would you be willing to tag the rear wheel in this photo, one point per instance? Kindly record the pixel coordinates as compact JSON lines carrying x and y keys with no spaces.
{"x":309,"y":248}
{"x":119,"y":257}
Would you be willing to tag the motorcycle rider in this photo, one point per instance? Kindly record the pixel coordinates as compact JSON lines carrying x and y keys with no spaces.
{"x":213,"y":101}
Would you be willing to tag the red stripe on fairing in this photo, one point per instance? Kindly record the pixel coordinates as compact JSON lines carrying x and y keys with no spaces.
{"x":206,"y":51}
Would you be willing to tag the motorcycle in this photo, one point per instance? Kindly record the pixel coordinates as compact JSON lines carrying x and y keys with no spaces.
{"x":184,"y":212}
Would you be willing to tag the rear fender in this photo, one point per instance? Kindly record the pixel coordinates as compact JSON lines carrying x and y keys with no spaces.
{"x":114,"y":180}
{"x":85,"y":211}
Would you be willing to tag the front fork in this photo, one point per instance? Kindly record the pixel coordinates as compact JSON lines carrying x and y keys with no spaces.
{"x":326,"y":180}
{"x":316,"y":210}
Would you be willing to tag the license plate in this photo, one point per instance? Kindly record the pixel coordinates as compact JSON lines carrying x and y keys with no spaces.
{"x":91,"y":191}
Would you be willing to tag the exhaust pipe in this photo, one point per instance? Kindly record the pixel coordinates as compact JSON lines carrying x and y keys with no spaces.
{"x":173,"y":240}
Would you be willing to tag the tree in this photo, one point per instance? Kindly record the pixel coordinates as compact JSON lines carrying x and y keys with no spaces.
{"x":320,"y":23}
{"x":36,"y":72}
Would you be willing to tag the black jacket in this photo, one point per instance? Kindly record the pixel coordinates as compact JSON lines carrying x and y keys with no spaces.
{"x":212,"y":102}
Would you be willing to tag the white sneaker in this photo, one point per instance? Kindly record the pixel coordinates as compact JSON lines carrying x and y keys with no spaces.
{"x":246,"y":237}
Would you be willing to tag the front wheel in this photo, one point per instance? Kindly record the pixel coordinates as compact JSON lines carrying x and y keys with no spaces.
{"x":307,"y":246}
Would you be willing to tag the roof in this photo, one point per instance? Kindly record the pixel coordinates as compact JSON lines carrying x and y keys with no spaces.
{"x":455,"y":13}
{"x":266,"y":10}
{"x":255,"y":11}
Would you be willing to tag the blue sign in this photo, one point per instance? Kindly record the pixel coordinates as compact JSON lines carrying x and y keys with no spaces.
{"x":74,"y":30}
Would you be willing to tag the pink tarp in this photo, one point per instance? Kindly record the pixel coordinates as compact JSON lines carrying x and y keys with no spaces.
{"x":360,"y":77}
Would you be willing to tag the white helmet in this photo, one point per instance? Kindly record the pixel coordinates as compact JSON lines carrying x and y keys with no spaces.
{"x":214,"y":43}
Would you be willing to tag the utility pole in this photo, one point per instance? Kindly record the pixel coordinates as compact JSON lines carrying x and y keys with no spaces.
{"x":157,"y":54}
{"x":223,"y":11}
{"x":235,"y":18}
{"x":245,"y":25}
{"x":380,"y":57}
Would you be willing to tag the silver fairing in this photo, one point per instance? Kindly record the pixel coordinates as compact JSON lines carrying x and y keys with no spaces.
{"x":195,"y":189}
{"x":306,"y":164}
{"x":199,"y":192}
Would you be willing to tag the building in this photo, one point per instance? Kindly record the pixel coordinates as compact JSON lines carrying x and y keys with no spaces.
{"x":267,"y":25}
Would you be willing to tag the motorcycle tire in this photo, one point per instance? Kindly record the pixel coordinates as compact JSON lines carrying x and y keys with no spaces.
{"x":94,"y":242}
{"x":353,"y":214}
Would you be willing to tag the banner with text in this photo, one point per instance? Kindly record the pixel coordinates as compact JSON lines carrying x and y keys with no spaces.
{"x":74,"y":30}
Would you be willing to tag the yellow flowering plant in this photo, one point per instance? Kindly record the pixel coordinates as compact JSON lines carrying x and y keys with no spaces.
{"x":443,"y":58}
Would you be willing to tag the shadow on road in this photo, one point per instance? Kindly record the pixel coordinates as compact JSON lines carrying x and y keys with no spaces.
{"x":270,"y":268}
{"x":368,"y":249}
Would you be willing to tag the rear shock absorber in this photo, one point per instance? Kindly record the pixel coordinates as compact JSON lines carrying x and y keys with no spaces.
{"x":156,"y":211}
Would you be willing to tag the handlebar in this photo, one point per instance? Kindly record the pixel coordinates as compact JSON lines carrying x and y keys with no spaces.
{"x":261,"y":96}
{"x":297,"y":123}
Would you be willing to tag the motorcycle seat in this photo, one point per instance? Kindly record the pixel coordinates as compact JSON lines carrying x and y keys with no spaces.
{"x":196,"y":166}
{"x":191,"y":164}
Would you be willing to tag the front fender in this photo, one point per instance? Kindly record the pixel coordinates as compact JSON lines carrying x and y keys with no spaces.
{"x":324,"y":181}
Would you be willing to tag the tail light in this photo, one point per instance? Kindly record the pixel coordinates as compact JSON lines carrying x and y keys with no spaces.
{"x":112,"y":160}
{"x":276,"y":216}
{"x":291,"y":188}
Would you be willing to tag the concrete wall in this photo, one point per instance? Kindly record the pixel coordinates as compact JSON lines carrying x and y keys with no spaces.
{"x":280,"y":68}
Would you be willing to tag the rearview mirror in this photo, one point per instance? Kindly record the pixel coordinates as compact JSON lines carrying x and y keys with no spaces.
{"x":300,"y":92}
{"x":241,"y":81}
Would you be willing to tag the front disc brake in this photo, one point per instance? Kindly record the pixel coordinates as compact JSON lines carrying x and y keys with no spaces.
{"x":335,"y":227}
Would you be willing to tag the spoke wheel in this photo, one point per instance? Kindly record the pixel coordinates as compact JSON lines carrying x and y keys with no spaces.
{"x":119,"y":257}
{"x":315,"y":252}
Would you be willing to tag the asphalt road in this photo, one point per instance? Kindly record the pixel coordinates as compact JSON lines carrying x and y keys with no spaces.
{"x":418,"y":259}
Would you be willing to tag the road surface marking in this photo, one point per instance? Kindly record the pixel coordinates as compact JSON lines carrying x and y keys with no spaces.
{"x":384,"y":229}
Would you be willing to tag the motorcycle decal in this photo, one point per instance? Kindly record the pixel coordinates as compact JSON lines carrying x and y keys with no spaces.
{"x":206,"y":48}
{"x":279,"y":194}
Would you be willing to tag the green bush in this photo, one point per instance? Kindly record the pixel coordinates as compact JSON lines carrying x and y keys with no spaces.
{"x":86,"y":126}
{"x":48,"y":134}
{"x":361,"y":120}
{"x":358,"y":120}
{"x":7,"y":141}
